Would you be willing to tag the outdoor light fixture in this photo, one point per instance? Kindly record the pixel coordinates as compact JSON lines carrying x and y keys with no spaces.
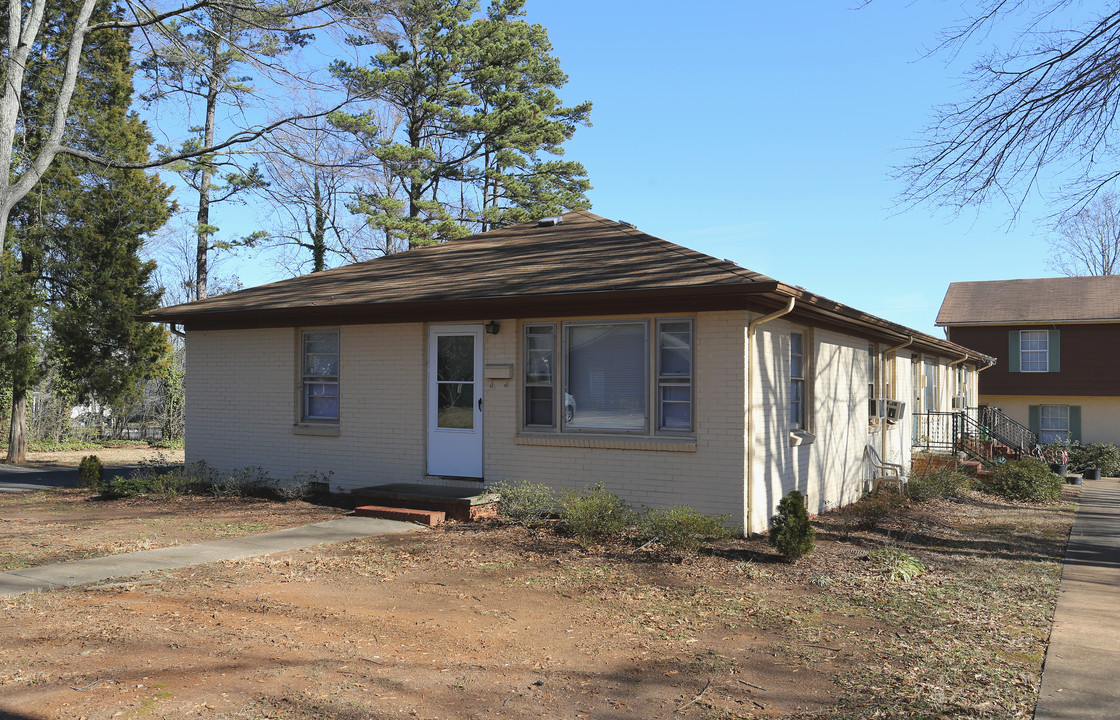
{"x":493,"y":327}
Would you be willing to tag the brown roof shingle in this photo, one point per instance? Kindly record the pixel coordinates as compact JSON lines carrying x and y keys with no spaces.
{"x":583,"y":254}
{"x":1040,"y":300}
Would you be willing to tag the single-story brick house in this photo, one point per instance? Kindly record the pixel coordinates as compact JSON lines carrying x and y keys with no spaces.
{"x":571,"y":351}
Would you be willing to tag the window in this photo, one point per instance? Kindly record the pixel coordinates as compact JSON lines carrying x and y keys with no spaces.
{"x":1034,"y":351}
{"x":1054,"y":423}
{"x":605,"y":368}
{"x":540,"y":382}
{"x":797,"y":380}
{"x":320,"y":375}
{"x":605,"y":375}
{"x":674,"y":374}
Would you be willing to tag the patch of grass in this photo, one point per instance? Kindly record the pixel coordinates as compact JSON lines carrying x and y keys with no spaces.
{"x":895,"y":565}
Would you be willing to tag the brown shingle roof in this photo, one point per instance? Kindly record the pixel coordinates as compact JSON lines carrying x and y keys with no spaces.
{"x":583,"y":254}
{"x":586,"y":265}
{"x":1044,"y":300}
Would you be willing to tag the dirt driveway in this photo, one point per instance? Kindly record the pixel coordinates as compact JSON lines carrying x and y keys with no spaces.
{"x":496,"y":621}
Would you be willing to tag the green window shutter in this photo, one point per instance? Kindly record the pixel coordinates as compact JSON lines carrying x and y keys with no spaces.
{"x":1075,"y":423}
{"x":1013,"y":351}
{"x":1055,"y":351}
{"x":1034,"y":418}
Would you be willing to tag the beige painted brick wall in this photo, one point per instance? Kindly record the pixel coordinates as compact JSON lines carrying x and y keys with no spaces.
{"x":643,"y":472}
{"x":242,"y":389}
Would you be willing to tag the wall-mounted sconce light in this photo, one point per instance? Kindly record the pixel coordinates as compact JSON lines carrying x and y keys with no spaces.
{"x":915,"y":357}
{"x":493,"y":327}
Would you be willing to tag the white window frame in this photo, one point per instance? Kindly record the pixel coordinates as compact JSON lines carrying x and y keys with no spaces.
{"x":1034,"y":353}
{"x":1061,"y":432}
{"x":308,"y":379}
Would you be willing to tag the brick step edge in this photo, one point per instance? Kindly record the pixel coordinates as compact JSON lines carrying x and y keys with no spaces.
{"x":423,"y":517}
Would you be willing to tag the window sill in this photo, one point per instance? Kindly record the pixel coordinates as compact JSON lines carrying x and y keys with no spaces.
{"x":801,"y":437}
{"x":320,"y":430}
{"x":601,"y":442}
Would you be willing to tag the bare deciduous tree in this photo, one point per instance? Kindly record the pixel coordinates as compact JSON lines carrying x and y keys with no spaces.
{"x":1046,"y":104}
{"x":1088,"y":241}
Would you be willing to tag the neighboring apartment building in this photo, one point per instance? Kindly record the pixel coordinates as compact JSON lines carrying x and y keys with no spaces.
{"x":1056,"y":341}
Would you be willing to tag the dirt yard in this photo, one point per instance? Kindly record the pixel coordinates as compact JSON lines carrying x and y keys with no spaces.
{"x":488,"y":620}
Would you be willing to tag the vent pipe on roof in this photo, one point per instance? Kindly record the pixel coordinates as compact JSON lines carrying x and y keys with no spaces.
{"x":550,"y":221}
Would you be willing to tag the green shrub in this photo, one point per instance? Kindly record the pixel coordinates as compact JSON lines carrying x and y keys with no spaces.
{"x":526,"y":503}
{"x":1101,"y":456}
{"x":932,"y":483}
{"x":90,"y":472}
{"x":790,"y":530}
{"x":595,"y":513}
{"x":895,"y":565}
{"x":1028,"y":479}
{"x":681,"y":528}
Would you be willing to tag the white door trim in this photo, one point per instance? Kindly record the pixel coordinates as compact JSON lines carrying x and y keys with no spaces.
{"x":455,"y":402}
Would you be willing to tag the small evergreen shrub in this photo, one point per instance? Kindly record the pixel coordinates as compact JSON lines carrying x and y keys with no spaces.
{"x":681,"y":528}
{"x":1027,"y":479}
{"x":937,"y":483}
{"x":790,"y":530}
{"x":90,"y":472}
{"x":595,"y":513}
{"x":525,"y":503}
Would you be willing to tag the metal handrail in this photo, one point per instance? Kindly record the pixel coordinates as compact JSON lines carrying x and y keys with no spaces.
{"x":976,"y":432}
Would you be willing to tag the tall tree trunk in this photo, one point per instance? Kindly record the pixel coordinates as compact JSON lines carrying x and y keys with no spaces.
{"x":17,"y":431}
{"x":204,"y":228}
{"x":319,"y":237}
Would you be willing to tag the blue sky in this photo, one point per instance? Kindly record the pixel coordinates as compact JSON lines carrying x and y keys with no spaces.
{"x":765,"y":133}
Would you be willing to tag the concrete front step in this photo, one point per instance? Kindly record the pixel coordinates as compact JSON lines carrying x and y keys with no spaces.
{"x":422,"y":517}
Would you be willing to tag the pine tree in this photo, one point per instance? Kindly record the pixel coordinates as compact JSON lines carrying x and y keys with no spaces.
{"x":476,"y":98}
{"x":71,"y":278}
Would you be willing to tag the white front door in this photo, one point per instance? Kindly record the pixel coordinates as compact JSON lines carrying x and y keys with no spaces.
{"x":455,"y":400}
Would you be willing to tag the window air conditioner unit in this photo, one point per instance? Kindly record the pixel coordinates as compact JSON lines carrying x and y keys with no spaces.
{"x":894,"y":410}
{"x":876,"y":408}
{"x":958,"y":402}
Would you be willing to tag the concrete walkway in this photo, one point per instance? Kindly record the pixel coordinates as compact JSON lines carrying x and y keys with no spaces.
{"x":1081,"y":675}
{"x":80,"y":572}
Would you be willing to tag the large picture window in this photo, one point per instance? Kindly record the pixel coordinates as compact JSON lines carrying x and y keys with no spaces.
{"x":596,"y":376}
{"x":320,"y":375}
{"x":606,"y":375}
